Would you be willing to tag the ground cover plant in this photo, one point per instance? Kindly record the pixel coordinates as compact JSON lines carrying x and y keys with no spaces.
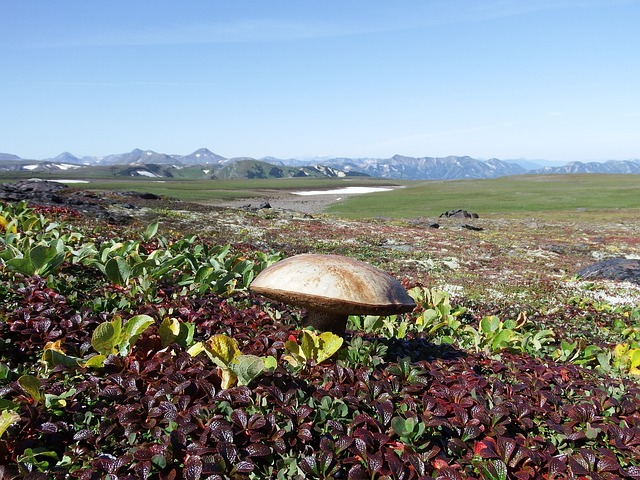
{"x":139,"y":352}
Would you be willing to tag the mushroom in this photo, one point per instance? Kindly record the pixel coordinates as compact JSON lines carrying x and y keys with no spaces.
{"x":332,"y":287}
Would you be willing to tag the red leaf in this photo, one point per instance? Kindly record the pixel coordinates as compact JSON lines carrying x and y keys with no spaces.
{"x":486,"y":448}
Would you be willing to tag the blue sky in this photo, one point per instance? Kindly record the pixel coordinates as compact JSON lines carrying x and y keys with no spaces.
{"x":537,"y":79}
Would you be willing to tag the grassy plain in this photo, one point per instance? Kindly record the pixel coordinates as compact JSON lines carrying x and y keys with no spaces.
{"x":551,"y":195}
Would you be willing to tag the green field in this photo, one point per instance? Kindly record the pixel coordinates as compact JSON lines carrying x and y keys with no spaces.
{"x":554,"y":195}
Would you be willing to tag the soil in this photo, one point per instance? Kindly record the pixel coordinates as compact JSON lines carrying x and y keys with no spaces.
{"x":311,"y":204}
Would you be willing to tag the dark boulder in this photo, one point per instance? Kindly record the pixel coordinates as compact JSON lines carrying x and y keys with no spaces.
{"x":471,"y":227}
{"x":47,"y":193}
{"x":30,"y":189}
{"x":39,"y":186}
{"x":459,"y":213}
{"x":261,"y":206}
{"x":142,"y":195}
{"x":621,"y":269}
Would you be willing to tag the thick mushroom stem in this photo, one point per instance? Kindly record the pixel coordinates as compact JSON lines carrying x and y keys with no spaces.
{"x":326,"y":321}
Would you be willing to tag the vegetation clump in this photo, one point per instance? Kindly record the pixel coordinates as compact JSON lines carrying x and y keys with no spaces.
{"x":137,"y":355}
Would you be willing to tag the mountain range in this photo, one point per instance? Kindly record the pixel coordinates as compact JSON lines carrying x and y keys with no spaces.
{"x":203,"y":163}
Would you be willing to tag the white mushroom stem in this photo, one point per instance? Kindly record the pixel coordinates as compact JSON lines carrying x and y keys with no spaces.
{"x":326,"y":321}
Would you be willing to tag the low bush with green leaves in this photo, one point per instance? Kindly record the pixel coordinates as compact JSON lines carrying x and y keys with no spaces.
{"x":438,"y":319}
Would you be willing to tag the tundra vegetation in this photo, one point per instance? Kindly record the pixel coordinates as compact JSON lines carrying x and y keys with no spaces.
{"x":138,"y":351}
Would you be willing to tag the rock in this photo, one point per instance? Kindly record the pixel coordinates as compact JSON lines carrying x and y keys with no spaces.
{"x":567,"y":249}
{"x":39,"y":186}
{"x":30,"y":189}
{"x":554,"y":248}
{"x":471,"y":227}
{"x":142,"y":195}
{"x":459,"y":213}
{"x":46,"y":193}
{"x":620,"y":269}
{"x":261,"y":206}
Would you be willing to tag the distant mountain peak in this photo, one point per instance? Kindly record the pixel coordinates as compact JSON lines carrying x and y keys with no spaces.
{"x":66,"y":157}
{"x":202,"y":156}
{"x":9,"y":156}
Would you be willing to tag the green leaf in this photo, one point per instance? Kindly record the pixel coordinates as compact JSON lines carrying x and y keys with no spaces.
{"x":489,"y":324}
{"x":45,"y":258}
{"x":309,"y":345}
{"x":34,"y":458}
{"x":21,"y":265}
{"x":296,"y":358}
{"x":246,"y":368}
{"x":592,"y":433}
{"x":510,"y":324}
{"x":131,"y":330}
{"x":501,"y":340}
{"x":97,"y":361}
{"x":196,"y":349}
{"x":328,"y":344}
{"x":169,"y":330}
{"x":203,"y":273}
{"x":373,"y":323}
{"x":635,"y":358}
{"x":150,"y":231}
{"x":106,"y":336}
{"x":31,"y":385}
{"x":58,"y":401}
{"x":53,"y":357}
{"x":7,"y":418}
{"x":167,"y":265}
{"x":403,"y":427}
{"x":439,"y":297}
{"x":428,"y":316}
{"x":185,"y":336}
{"x":228,"y":379}
{"x":270,"y":363}
{"x":402,"y":330}
{"x":223,"y":348}
{"x":117,"y":271}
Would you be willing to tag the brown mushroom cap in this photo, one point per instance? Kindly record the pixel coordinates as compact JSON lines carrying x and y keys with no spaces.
{"x":333,"y":284}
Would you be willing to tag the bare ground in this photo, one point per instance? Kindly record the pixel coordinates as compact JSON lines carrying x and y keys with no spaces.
{"x":311,"y":204}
